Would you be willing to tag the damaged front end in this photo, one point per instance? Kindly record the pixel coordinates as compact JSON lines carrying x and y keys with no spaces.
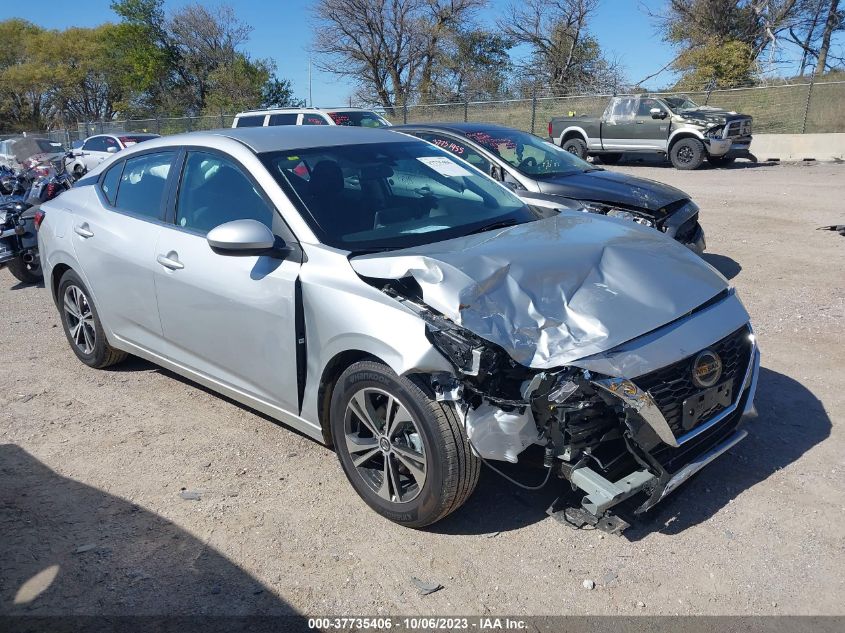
{"x":611,"y":438}
{"x":624,"y":357}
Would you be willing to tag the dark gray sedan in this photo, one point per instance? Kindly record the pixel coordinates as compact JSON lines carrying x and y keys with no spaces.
{"x":543,"y":174}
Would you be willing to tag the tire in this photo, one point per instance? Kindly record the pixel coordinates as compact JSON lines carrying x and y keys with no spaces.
{"x":721,"y":161}
{"x":427,"y":435}
{"x":610,"y":159}
{"x":576,"y":146}
{"x":687,"y":154}
{"x":27,"y":273}
{"x":88,"y":341}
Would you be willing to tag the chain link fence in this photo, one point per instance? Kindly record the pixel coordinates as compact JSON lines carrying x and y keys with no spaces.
{"x":777,"y":109}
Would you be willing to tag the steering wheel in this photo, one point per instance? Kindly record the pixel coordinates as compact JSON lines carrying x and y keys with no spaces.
{"x":528,"y":163}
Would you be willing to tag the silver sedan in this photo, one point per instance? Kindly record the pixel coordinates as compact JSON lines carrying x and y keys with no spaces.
{"x":385,"y":297}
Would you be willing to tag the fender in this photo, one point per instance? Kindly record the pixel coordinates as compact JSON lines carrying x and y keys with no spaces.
{"x":576,"y":128}
{"x":685,"y":131}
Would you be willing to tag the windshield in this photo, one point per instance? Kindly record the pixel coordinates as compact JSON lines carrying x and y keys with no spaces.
{"x":24,"y":147}
{"x":381,"y":196}
{"x":358,"y":119}
{"x":680,"y":103}
{"x":529,"y":154}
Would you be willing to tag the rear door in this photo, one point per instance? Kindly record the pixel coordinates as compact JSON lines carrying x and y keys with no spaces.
{"x":114,"y":238}
{"x":230,"y":318}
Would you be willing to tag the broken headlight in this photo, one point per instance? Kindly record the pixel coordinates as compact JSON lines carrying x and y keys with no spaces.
{"x":715,"y":132}
{"x":617,"y":212}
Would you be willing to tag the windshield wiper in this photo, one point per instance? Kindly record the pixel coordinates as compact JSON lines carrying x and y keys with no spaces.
{"x":495,"y":225}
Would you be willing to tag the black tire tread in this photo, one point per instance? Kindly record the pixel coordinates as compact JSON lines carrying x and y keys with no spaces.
{"x":461,"y":467}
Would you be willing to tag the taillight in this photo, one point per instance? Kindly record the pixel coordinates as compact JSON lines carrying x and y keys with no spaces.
{"x":550,"y":129}
{"x":39,"y":218}
{"x":52,"y":190}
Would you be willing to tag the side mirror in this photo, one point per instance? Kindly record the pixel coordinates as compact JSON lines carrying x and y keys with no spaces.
{"x":658,"y":113}
{"x":111,"y":149}
{"x":243,"y":237}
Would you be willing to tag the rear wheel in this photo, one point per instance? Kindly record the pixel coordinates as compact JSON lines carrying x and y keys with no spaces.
{"x":721,"y":161}
{"x":28,"y":273}
{"x":610,"y":159}
{"x":576,"y":146}
{"x":404,"y":453}
{"x":688,"y":153}
{"x":82,"y":324}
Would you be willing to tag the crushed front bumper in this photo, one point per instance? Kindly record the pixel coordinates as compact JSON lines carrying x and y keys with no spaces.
{"x":665,"y":467}
{"x":718,"y":146}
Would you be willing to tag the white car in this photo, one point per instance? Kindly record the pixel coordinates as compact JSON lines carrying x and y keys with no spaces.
{"x":98,"y":148}
{"x":351,"y":117}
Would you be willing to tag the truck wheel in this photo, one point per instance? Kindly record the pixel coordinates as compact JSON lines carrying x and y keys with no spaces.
{"x":688,"y":153}
{"x":610,"y":159}
{"x":404,"y":453}
{"x":721,"y":161}
{"x":576,"y":146}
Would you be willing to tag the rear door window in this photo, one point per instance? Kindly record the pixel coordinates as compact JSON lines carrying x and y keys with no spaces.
{"x":251,"y":121}
{"x":286,"y":118}
{"x":143,"y":183}
{"x":313,"y":119}
{"x":110,"y":183}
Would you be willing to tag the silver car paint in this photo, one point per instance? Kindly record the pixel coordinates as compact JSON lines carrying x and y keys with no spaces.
{"x":552,"y":291}
{"x":220,"y":316}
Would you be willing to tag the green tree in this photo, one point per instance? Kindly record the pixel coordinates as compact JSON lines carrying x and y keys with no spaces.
{"x":25,"y":81}
{"x":278,"y":93}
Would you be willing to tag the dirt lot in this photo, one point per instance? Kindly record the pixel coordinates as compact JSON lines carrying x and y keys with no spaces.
{"x":92,"y":464}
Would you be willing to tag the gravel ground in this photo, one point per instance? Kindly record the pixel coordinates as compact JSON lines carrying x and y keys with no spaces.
{"x":92,"y":464}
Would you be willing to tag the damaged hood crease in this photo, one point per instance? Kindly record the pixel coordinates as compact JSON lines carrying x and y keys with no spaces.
{"x":553,"y":291}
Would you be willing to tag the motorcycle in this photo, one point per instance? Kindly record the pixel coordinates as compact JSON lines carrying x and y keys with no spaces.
{"x":21,"y":194}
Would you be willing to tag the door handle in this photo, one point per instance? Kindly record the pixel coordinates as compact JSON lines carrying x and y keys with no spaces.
{"x":83,"y":230}
{"x":640,"y":122}
{"x":171,"y":261}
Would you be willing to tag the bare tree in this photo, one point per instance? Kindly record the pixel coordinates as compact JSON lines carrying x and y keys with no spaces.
{"x":833,"y":22}
{"x":563,"y":52}
{"x":205,"y":40}
{"x":389,"y":46}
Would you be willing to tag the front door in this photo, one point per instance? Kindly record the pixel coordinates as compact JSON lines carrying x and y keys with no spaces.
{"x":631,"y":126}
{"x":230,"y":318}
{"x":114,"y":240}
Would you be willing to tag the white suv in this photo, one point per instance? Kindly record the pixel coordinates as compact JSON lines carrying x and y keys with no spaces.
{"x":354,"y":117}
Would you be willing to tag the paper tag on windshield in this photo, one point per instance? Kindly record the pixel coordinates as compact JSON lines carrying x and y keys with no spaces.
{"x":444,"y":166}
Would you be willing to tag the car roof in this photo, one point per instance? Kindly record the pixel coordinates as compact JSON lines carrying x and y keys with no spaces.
{"x":286,"y":137}
{"x":451,"y":126}
{"x":298,"y":110}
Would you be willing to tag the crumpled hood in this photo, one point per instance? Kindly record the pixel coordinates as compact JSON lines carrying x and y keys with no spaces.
{"x":553,"y":291}
{"x":709,"y":116}
{"x":615,"y":188}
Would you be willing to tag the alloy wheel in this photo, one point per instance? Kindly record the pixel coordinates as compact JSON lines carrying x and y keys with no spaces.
{"x":685,"y":154}
{"x":385,"y":445}
{"x":80,"y":319}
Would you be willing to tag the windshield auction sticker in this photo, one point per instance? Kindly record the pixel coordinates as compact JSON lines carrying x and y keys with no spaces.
{"x":444,"y":166}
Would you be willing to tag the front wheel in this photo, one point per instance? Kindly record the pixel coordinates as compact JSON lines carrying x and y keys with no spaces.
{"x":405,"y":454}
{"x":28,"y":273}
{"x":688,"y":153}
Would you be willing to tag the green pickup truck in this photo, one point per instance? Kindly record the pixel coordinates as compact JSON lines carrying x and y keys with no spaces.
{"x":676,"y":127}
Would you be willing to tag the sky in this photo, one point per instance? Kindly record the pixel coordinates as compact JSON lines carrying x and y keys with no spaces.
{"x":282,"y":32}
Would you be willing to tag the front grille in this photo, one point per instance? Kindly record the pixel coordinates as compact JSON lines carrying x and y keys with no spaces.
{"x":738,"y":128}
{"x":672,"y":384}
